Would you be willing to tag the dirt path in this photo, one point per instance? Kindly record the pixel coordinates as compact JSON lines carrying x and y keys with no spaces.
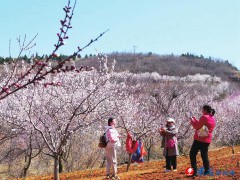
{"x":220,"y":159}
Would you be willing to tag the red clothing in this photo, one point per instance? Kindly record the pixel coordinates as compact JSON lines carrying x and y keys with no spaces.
{"x":131,"y":145}
{"x":206,"y":120}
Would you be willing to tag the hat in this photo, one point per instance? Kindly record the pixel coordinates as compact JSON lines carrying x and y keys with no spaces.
{"x":170,"y":120}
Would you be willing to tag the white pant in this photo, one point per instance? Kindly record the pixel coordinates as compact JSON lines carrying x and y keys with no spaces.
{"x":111,"y":156}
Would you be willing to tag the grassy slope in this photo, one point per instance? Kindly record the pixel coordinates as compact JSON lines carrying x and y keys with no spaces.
{"x":220,"y":159}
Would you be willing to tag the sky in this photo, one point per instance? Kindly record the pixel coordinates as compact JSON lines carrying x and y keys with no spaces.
{"x":207,"y":27}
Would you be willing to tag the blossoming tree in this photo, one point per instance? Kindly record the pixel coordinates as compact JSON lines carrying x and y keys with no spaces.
{"x":59,"y":106}
{"x":17,"y":78}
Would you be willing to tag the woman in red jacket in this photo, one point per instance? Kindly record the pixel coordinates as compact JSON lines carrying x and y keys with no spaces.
{"x":202,"y":137}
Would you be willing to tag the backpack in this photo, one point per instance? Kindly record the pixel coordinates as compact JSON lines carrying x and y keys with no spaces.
{"x":203,"y":132}
{"x":170,"y":143}
{"x":103,"y":141}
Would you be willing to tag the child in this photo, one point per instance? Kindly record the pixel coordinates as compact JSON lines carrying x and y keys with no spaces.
{"x":170,"y":144}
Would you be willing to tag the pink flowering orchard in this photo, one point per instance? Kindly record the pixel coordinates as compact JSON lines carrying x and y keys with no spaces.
{"x":59,"y":106}
{"x":228,"y":120}
{"x":54,"y":116}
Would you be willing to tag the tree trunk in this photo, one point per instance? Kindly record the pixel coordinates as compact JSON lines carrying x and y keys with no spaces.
{"x":149,"y":153}
{"x":28,"y":158}
{"x":26,"y":166}
{"x":103,"y":162}
{"x":56,"y":167}
{"x":94,"y":161}
{"x":129,"y":161}
{"x":60,"y":165}
{"x":233,"y":152}
{"x":23,"y":173}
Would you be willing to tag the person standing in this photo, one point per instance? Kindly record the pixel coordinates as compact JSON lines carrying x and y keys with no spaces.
{"x":202,"y":137}
{"x":112,"y":137}
{"x":170,"y":144}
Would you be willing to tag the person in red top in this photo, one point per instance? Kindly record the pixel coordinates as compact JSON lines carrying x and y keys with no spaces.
{"x":202,"y":137}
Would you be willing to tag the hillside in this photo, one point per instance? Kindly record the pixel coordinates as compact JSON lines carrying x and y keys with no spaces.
{"x":221,"y":160}
{"x":171,"y":65}
{"x":72,"y":108}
